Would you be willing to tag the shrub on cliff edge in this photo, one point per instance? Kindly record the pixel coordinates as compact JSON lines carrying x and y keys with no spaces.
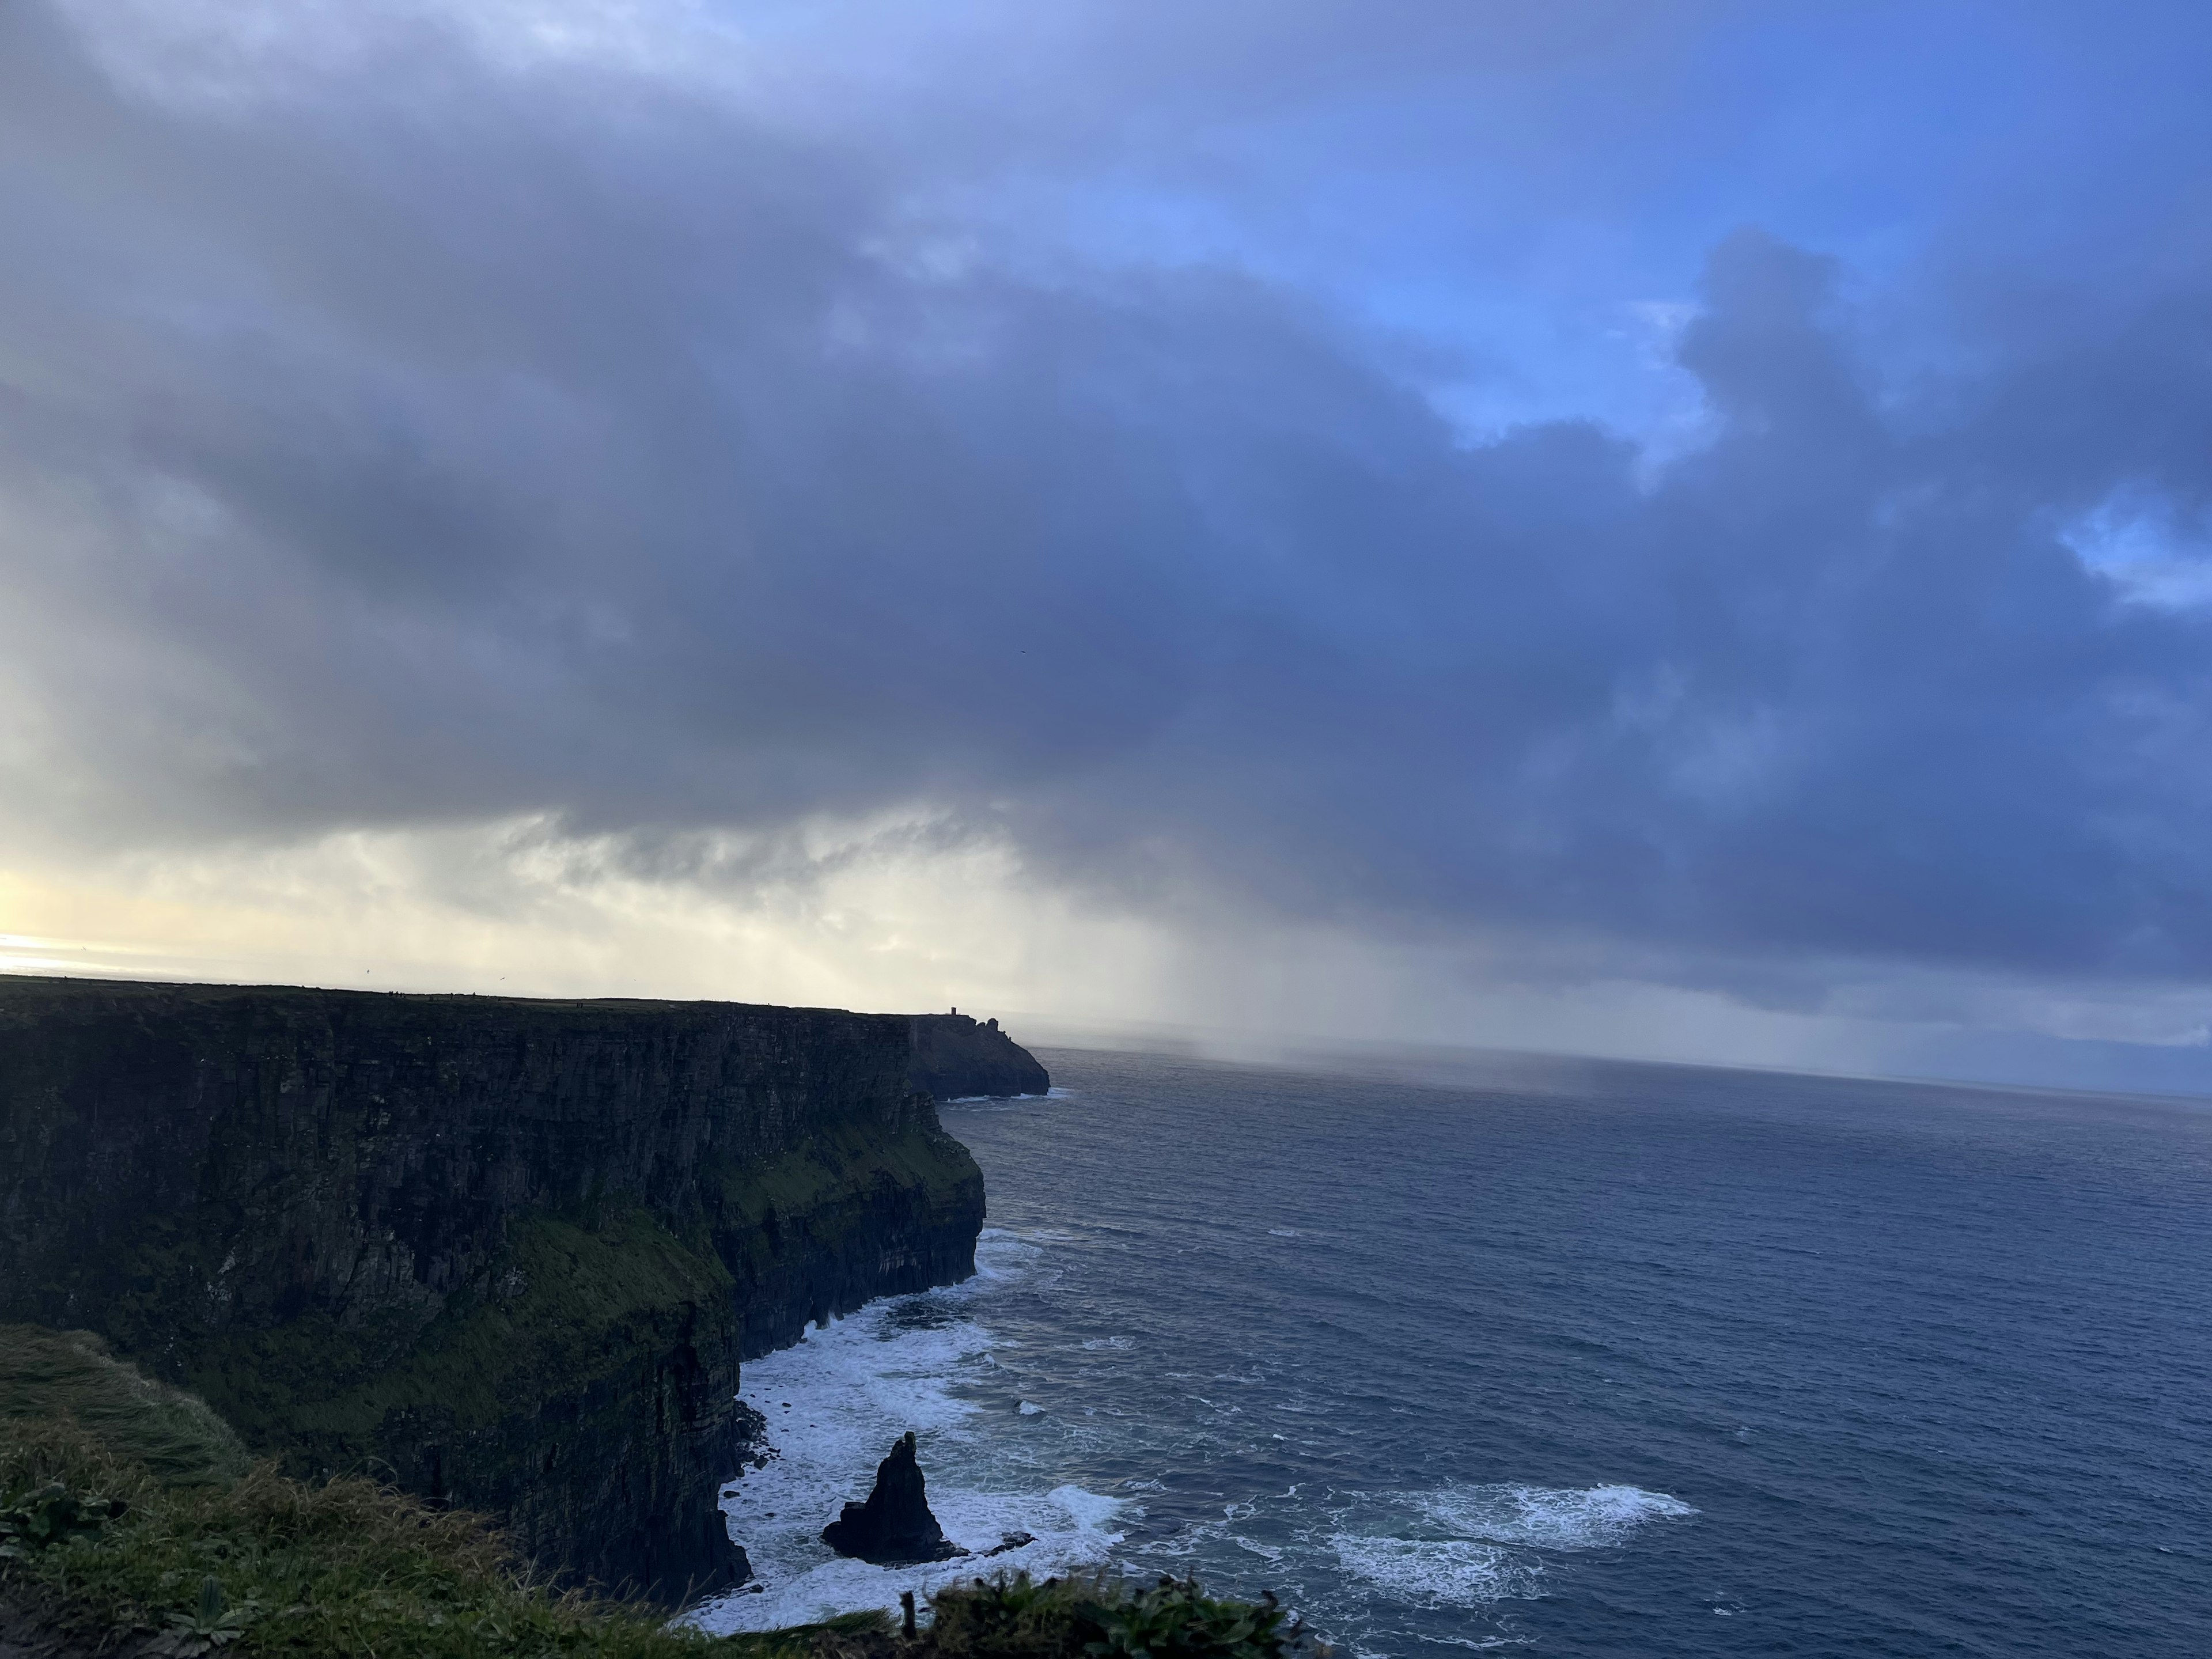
{"x":1103,"y":1617}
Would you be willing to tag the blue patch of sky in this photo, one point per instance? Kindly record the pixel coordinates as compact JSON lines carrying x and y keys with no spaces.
{"x":1541,"y":235}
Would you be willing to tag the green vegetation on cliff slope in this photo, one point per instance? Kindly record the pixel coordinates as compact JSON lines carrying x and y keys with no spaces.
{"x":201,"y":1554}
{"x":562,"y":1306}
{"x":272,"y":1565}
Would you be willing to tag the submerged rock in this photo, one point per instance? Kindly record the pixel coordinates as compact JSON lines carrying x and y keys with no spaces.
{"x":894,"y":1527}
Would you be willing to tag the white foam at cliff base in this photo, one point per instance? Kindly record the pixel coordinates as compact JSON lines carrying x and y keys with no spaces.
{"x":1544,"y":1517}
{"x":834,"y":1404}
{"x":999,"y":1255}
{"x":1060,"y":1541}
{"x":1070,"y":1528}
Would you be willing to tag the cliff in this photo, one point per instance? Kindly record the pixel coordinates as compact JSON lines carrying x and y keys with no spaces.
{"x":955,"y":1057}
{"x":509,"y":1251}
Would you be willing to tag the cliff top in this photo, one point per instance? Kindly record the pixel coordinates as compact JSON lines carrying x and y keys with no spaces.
{"x":30,"y":989}
{"x":954,"y":1055}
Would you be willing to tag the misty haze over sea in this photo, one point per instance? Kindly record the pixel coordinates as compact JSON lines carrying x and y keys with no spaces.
{"x":1675,"y":528}
{"x":1591,"y":1359}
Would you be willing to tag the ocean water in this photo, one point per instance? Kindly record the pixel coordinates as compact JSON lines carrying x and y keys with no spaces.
{"x":1574,"y":1359}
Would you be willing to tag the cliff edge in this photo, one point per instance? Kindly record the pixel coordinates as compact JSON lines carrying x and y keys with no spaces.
{"x":508,"y":1253}
{"x":957,"y":1058}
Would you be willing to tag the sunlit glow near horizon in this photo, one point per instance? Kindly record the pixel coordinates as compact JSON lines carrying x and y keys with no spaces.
{"x":1676,"y":530}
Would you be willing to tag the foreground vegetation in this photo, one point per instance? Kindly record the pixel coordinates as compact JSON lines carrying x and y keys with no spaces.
{"x":132,"y":1523}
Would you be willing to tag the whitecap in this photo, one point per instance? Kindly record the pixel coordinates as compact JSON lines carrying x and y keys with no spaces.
{"x":999,"y":1254}
{"x":1440,"y":1572}
{"x":1546,"y":1517}
{"x":1094,"y":1511}
{"x":834,"y":1404}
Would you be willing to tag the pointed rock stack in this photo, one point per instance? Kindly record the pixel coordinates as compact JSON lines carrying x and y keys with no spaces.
{"x":894,"y":1528}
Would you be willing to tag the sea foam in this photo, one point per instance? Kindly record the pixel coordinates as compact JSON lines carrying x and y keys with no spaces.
{"x":935,"y":1364}
{"x":834,"y":1404}
{"x":1544,"y":1517}
{"x":1495,"y":1535}
{"x":1439,"y":1573}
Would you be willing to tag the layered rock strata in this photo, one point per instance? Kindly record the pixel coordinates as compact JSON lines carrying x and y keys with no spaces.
{"x":506,"y":1252}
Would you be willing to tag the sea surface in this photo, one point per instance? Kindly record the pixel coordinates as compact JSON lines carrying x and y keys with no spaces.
{"x":1565,"y":1358}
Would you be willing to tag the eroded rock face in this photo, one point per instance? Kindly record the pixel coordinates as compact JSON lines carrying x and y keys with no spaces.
{"x":955,"y":1058}
{"x":510,"y":1250}
{"x":894,"y":1528}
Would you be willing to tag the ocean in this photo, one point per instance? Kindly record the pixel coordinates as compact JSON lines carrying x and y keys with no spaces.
{"x":1572,"y":1357}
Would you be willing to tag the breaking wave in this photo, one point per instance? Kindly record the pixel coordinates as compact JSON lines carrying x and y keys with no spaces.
{"x":835,"y":1403}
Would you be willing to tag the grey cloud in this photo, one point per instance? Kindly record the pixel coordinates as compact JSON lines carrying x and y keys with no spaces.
{"x":480,"y":444}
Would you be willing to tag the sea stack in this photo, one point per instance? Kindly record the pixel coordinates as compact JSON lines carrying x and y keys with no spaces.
{"x":894,"y":1528}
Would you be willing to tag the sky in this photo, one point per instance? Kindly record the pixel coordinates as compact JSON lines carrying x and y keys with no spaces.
{"x":1673,"y":530}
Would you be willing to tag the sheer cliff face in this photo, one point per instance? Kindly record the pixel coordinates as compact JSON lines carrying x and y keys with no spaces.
{"x":954,"y":1057}
{"x":511,"y":1250}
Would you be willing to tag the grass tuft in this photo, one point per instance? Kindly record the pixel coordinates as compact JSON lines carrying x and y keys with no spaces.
{"x":46,"y":1375}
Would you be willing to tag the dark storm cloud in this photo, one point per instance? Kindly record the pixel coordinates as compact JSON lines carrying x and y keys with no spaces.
{"x":450,"y":444}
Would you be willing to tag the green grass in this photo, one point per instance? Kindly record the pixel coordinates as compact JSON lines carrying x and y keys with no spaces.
{"x":562,"y":1306}
{"x":53,"y":1374}
{"x":1103,"y":1617}
{"x":344,"y":1567}
{"x":209,"y":1555}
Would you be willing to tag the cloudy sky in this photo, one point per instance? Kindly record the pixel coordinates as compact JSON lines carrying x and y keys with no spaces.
{"x":1672,"y":529}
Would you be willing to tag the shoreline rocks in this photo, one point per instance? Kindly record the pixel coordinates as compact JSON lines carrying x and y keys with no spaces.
{"x":895,"y":1527}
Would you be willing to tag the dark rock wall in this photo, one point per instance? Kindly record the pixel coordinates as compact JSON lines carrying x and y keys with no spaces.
{"x":954,"y":1056}
{"x":509,"y":1251}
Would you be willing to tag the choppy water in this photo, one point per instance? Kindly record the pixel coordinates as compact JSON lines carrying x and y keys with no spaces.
{"x":1589,"y":1359}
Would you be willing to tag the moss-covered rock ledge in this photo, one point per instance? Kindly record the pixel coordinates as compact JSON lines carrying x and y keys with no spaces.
{"x":504,"y":1252}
